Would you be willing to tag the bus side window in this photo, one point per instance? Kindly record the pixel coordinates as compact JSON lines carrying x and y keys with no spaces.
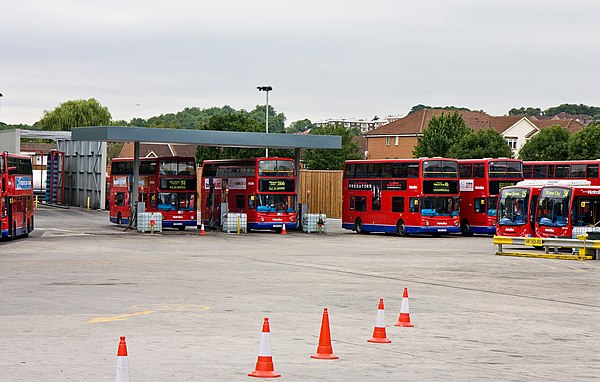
{"x":414,"y":204}
{"x":119,"y":199}
{"x":239,"y":201}
{"x":479,"y":205}
{"x":360,"y":203}
{"x":397,"y":204}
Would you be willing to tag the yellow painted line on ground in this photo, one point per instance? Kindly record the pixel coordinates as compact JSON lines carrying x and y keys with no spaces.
{"x":120,"y":317}
{"x":572,"y":267}
{"x":556,"y":256}
{"x":593,"y":266}
{"x":171,"y":307}
{"x":542,"y":264}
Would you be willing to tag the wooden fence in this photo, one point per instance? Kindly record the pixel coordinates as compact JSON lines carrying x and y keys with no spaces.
{"x":322,"y":191}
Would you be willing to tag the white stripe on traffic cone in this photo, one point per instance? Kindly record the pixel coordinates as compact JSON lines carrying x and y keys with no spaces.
{"x":379,"y":334}
{"x":122,"y":366}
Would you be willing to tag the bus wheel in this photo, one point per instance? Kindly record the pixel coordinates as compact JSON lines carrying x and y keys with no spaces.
{"x":119,"y":218}
{"x":400,"y":228}
{"x":358,"y":226}
{"x":465,"y":228}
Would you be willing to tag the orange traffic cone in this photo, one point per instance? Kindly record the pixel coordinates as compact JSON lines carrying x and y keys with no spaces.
{"x":122,"y":367}
{"x":379,"y":335}
{"x":325,"y":350}
{"x":202,"y":231}
{"x":404,"y":318}
{"x":264,"y":365}
{"x":283,"y":231}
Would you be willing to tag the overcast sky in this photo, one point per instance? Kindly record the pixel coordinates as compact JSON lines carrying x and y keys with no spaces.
{"x":324,"y":59}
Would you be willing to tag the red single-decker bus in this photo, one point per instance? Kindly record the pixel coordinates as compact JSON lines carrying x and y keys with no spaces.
{"x":16,"y":195}
{"x":564,"y":210}
{"x":402,"y":196}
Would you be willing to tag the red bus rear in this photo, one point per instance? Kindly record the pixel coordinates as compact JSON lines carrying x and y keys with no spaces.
{"x":480,"y":184}
{"x":565,"y":210}
{"x":262,"y":188}
{"x":16,"y":195}
{"x":577,"y":169}
{"x":402,"y":196}
{"x":166,"y":185}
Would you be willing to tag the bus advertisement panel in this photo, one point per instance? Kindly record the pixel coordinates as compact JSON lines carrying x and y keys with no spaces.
{"x":262,"y":188}
{"x":561,"y":209}
{"x":167,"y":185}
{"x":576,"y":169}
{"x":480,"y":184}
{"x":402,"y":196}
{"x":16,"y":195}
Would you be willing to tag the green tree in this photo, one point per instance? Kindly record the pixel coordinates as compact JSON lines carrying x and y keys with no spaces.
{"x":234,"y":121}
{"x":332,"y":159}
{"x":441,"y":133}
{"x":78,"y":113}
{"x":486,"y":143}
{"x":276,"y":120}
{"x":528,"y":111}
{"x":300,"y":126}
{"x":572,"y":109}
{"x":551,"y":143}
{"x":421,"y":107}
{"x":585,"y":144}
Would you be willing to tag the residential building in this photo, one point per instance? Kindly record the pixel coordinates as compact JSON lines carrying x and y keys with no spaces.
{"x":397,"y":139}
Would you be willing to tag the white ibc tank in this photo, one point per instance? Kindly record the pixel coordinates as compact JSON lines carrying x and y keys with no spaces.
{"x":310,"y":223}
{"x":234,"y":221}
{"x":145,"y":219}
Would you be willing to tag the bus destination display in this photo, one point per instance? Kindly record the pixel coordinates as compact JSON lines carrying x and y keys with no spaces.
{"x":276,"y":185}
{"x":440,"y":186}
{"x":177,"y":184}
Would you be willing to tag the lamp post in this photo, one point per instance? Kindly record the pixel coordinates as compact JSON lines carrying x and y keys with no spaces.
{"x":266,"y":89}
{"x":1,"y":106}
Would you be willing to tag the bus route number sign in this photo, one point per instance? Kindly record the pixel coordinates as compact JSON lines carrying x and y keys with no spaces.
{"x":440,"y":186}
{"x":276,"y":185}
{"x":176,"y":184}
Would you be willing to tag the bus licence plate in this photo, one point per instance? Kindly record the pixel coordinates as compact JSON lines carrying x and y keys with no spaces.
{"x":277,"y":225}
{"x":533,"y":241}
{"x":442,"y":230}
{"x":177,"y":223}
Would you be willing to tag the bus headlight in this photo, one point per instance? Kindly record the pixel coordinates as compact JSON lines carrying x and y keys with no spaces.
{"x":262,"y":219}
{"x":426,"y":222}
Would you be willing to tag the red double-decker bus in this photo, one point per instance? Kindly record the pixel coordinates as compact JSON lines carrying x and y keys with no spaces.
{"x":480,"y":184}
{"x":16,"y":195}
{"x":262,"y":188}
{"x":561,"y":209}
{"x":402,"y":196}
{"x":166,"y":185}
{"x":576,"y":169}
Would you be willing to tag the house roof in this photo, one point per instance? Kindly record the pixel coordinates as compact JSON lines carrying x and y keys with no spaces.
{"x":159,"y":149}
{"x":570,"y":124}
{"x":416,"y":122}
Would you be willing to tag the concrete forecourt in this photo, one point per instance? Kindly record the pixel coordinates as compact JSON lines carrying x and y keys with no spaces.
{"x":192,"y":306}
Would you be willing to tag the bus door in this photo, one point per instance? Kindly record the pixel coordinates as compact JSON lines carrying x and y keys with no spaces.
{"x":224,"y":199}
{"x":9,"y":215}
{"x":532,"y":210}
